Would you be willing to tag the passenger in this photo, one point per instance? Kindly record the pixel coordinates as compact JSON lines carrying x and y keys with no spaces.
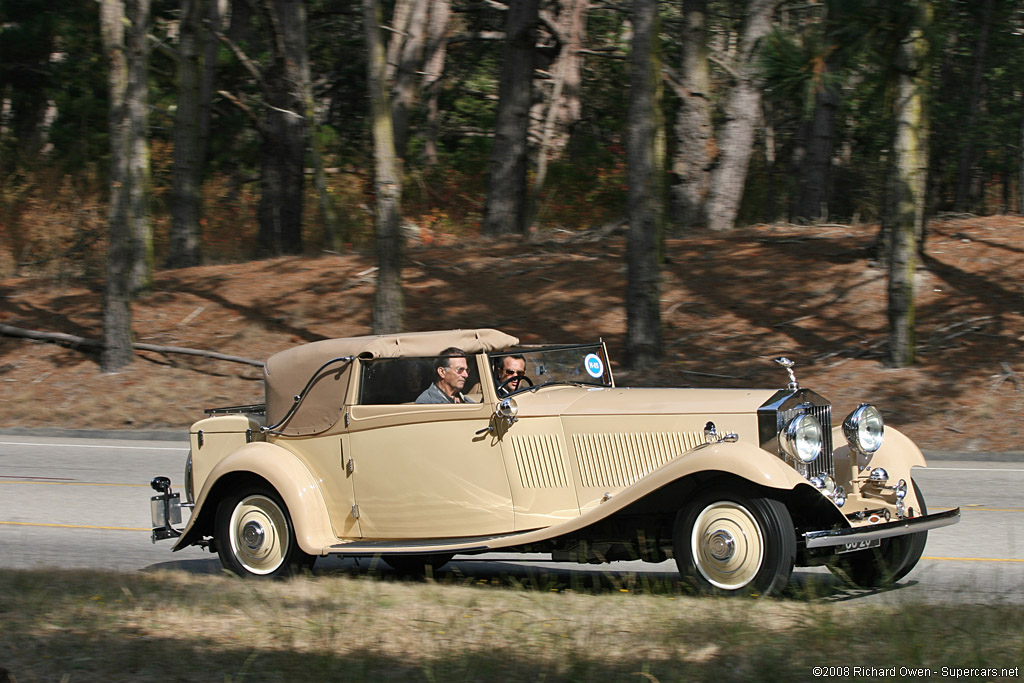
{"x":452,"y":370}
{"x":511,"y":369}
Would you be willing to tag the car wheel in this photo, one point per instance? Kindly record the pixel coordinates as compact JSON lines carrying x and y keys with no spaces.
{"x":256,"y":538}
{"x":734,"y":542}
{"x":418,"y":565}
{"x":886,"y":564}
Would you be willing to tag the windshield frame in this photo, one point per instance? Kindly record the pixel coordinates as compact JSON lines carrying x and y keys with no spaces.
{"x":598,"y":348}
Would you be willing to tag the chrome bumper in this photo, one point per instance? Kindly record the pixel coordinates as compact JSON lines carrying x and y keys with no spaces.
{"x":832,"y":537}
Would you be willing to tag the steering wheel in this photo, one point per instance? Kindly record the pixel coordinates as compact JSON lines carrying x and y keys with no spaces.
{"x":503,"y":387}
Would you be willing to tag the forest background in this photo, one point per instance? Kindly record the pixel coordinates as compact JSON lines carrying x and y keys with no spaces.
{"x":142,"y":138}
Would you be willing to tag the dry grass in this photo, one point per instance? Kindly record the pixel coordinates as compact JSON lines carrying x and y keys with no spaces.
{"x":85,"y":626}
{"x":730,"y":303}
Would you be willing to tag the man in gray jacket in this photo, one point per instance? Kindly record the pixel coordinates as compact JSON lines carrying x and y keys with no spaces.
{"x":452,"y":370}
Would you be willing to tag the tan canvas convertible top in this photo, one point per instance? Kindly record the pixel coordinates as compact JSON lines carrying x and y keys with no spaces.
{"x":287,"y":373}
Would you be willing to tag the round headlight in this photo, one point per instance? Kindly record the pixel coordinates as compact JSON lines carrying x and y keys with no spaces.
{"x":864,"y":429}
{"x":802,"y":438}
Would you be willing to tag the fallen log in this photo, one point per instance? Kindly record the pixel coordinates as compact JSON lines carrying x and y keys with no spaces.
{"x":74,"y":340}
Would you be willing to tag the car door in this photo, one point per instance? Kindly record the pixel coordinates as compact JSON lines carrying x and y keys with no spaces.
{"x":420,"y":470}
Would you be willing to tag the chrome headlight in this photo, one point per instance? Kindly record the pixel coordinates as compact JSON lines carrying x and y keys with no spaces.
{"x":864,"y":429}
{"x":802,"y":438}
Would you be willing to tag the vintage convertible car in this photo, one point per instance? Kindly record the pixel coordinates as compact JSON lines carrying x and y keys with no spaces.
{"x":737,"y":485}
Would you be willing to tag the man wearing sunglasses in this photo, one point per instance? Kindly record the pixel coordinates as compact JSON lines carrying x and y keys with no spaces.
{"x":452,"y":370}
{"x":511,"y":369}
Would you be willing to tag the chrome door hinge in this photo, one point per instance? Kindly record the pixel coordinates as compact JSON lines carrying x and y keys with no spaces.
{"x":355,"y":512}
{"x":350,"y":466}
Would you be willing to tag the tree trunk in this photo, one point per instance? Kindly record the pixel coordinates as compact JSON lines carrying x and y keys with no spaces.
{"x":285,"y":130}
{"x":645,"y":189}
{"x":742,"y":111}
{"x":563,"y":106}
{"x":908,"y":189}
{"x":1020,"y":163}
{"x":186,"y":193}
{"x":816,"y":169}
{"x":505,"y":210}
{"x":137,"y":110}
{"x":691,"y":165}
{"x":435,"y":55}
{"x":963,"y":186}
{"x":408,"y":62}
{"x":117,"y":313}
{"x":388,"y":307}
{"x":211,"y":46}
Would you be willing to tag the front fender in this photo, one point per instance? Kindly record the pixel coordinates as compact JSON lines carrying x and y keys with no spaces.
{"x":737,"y":459}
{"x":741,"y":459}
{"x":286,"y":474}
{"x":898,"y":456}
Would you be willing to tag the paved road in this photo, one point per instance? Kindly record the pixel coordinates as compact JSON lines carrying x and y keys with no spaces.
{"x":83,"y":503}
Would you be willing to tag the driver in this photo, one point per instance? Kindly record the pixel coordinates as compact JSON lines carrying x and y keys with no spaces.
{"x":511,"y":369}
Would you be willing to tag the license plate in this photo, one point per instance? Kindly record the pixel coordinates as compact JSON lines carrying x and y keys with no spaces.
{"x":858,"y":545}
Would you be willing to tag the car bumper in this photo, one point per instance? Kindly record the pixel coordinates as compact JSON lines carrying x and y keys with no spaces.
{"x":834,"y":537}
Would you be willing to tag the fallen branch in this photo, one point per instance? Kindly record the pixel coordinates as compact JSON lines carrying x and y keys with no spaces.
{"x":74,"y":340}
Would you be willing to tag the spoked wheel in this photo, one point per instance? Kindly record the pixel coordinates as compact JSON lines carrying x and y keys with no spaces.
{"x":418,"y":565}
{"x":734,"y":542}
{"x":886,"y":564}
{"x":255,"y":536}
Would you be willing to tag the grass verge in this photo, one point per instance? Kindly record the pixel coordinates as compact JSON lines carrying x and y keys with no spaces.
{"x":91,"y":626}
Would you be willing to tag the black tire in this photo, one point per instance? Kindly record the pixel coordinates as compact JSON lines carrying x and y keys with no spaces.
{"x":255,"y":536}
{"x":886,"y":564}
{"x":418,"y":565}
{"x":735,"y":542}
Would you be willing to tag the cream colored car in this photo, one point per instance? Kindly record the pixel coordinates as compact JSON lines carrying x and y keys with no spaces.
{"x":737,"y":485}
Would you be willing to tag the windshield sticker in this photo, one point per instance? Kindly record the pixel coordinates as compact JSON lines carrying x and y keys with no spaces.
{"x":595,"y":368}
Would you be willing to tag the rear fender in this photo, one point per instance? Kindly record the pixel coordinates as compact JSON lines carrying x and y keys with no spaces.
{"x":282,"y":471}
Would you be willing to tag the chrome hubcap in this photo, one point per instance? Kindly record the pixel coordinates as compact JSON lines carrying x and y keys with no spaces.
{"x":721,"y":545}
{"x":253,"y":535}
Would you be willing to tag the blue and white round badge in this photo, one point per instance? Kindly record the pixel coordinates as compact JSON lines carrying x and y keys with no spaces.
{"x":594,"y":366}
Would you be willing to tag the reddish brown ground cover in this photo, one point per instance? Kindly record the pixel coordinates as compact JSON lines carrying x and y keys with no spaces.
{"x":731,"y":303}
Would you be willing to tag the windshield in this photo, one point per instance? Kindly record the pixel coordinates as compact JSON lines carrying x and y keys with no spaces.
{"x":519,"y":370}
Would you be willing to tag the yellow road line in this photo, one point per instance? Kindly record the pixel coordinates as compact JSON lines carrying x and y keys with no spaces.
{"x":973,"y":559}
{"x":968,"y":508}
{"x":72,"y":483}
{"x":76,"y":526}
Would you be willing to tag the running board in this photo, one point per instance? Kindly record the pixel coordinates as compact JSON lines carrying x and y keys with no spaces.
{"x":474,"y":544}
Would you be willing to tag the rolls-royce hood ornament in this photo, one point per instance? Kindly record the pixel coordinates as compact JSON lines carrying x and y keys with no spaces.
{"x":788,"y":364}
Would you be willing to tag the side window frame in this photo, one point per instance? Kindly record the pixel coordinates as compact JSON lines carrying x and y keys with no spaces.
{"x":409,"y":377}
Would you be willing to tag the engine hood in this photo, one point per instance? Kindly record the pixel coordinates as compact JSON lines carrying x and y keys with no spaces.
{"x":579,"y":401}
